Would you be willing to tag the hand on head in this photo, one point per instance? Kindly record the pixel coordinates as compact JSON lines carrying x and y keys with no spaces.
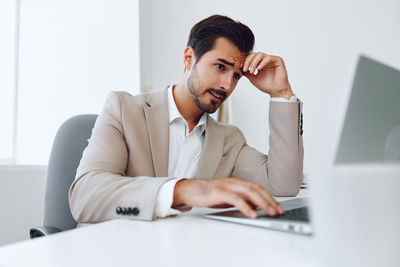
{"x":268,"y":73}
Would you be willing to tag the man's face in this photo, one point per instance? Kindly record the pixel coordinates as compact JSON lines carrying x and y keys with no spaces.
{"x":212,"y":79}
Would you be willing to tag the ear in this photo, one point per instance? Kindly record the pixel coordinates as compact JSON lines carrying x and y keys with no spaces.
{"x":189,"y":57}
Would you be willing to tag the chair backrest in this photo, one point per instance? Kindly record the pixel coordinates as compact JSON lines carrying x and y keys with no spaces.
{"x":70,"y":141}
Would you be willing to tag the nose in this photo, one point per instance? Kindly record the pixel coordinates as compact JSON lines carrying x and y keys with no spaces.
{"x":227,"y":82}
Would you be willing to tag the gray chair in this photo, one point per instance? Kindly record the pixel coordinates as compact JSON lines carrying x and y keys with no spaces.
{"x":69,"y":143}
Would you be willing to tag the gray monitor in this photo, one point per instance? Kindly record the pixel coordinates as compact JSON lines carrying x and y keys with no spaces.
{"x":371,"y":129}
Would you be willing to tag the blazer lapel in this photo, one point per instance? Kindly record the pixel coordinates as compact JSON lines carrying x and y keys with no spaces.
{"x":157,"y":120}
{"x":212,"y":150}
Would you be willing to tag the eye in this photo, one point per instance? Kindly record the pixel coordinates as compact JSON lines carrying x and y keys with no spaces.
{"x":237,"y":76}
{"x":220,"y":66}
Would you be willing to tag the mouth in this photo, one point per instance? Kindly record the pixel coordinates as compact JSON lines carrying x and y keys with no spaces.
{"x":216,"y":96}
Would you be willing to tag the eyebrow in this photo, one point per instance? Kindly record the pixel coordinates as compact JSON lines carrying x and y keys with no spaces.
{"x":229,"y":63}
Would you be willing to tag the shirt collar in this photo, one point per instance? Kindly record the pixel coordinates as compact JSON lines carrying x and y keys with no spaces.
{"x":174,"y":113}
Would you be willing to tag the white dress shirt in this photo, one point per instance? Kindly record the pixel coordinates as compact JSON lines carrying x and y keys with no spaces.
{"x":185,"y":150}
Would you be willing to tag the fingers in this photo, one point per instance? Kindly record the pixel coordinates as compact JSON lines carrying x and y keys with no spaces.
{"x":237,"y":200}
{"x":248,"y":61}
{"x":267,"y":60}
{"x":263,"y":200}
{"x":227,"y":191}
{"x":256,"y":194}
{"x":252,"y":62}
{"x":256,"y":62}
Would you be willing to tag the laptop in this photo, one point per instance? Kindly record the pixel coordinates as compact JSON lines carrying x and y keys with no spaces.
{"x":295,"y":219}
{"x":372,"y":118}
{"x":371,"y":129}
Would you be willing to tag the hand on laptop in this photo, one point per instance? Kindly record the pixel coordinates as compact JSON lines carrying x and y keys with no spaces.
{"x":225,"y":193}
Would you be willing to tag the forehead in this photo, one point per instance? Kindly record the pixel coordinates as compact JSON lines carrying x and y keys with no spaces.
{"x":226,"y":50}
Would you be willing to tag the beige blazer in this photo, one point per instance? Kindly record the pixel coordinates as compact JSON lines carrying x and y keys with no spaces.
{"x":126,"y":160}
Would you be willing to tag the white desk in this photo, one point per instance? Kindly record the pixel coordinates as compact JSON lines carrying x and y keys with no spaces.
{"x":186,"y":240}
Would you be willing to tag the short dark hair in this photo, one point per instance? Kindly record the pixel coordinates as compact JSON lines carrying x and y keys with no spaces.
{"x":204,"y":33}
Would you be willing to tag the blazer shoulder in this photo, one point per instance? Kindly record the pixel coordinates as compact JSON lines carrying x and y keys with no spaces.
{"x":124,"y":97}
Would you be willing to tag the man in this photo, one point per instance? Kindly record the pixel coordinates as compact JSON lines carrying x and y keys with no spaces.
{"x":157,"y":154}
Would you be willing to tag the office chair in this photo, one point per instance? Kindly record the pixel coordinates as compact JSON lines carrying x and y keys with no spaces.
{"x":69,"y":143}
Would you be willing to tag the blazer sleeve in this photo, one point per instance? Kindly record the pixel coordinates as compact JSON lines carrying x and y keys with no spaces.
{"x":281,"y":172}
{"x":100,"y":185}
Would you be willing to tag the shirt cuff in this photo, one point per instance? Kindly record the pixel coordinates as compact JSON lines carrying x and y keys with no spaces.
{"x":165,"y":198}
{"x":293,"y":98}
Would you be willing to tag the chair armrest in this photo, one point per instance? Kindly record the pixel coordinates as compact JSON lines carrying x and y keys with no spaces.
{"x":42,"y":231}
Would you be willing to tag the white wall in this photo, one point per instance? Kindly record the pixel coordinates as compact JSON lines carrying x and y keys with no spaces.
{"x":319,"y":40}
{"x":7,"y":67}
{"x":71,"y":55}
{"x":21,"y":201}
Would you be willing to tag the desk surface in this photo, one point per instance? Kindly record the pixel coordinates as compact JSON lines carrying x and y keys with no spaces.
{"x":185,"y":240}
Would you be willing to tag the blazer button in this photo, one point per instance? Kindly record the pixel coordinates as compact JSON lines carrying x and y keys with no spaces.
{"x":118,"y":210}
{"x":301,"y":132}
{"x":135,"y":211}
{"x":129,"y":211}
{"x":124,"y":211}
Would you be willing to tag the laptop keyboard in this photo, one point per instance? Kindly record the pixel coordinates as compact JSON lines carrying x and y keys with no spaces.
{"x":299,"y":214}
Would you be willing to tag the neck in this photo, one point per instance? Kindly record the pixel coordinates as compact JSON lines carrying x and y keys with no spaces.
{"x":186,"y":105}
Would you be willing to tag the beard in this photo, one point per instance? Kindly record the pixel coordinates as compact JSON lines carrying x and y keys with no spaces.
{"x":194,"y":88}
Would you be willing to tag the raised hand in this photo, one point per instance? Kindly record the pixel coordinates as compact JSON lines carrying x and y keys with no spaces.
{"x":268,"y":73}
